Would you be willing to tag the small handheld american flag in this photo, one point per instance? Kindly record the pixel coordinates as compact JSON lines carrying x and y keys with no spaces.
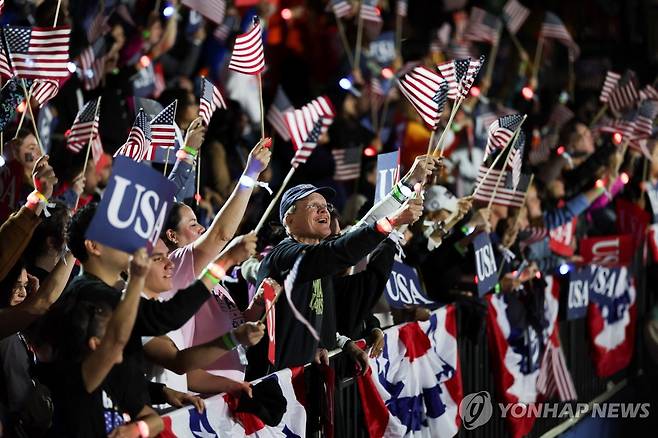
{"x":609,"y":84}
{"x":427,"y":92}
{"x":211,"y":99}
{"x":514,"y":15}
{"x":85,"y":127}
{"x":501,"y":132}
{"x":348,"y":163}
{"x":303,"y":153}
{"x":213,"y":10}
{"x":341,"y":8}
{"x":139,"y":139}
{"x":482,"y":27}
{"x":301,"y":122}
{"x":644,"y":119}
{"x":460,"y":75}
{"x":625,"y":95}
{"x":44,"y":89}
{"x":276,"y":113}
{"x":163,"y":132}
{"x":92,"y":64}
{"x":553,"y":28}
{"x":39,"y":52}
{"x":248,"y":56}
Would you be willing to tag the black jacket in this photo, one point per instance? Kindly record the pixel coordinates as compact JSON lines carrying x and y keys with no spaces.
{"x":313,"y":295}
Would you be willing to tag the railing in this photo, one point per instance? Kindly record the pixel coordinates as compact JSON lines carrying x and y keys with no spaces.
{"x":477,"y":376}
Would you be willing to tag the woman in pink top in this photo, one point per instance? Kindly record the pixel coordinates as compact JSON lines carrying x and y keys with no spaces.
{"x":193,"y":247}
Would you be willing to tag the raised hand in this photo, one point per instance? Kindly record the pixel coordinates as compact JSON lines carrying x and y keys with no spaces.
{"x":43,"y":176}
{"x":259,"y":158}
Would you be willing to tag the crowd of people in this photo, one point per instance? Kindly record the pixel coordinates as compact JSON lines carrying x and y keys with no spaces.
{"x":96,"y":342}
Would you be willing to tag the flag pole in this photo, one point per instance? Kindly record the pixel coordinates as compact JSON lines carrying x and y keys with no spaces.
{"x":598,"y":115}
{"x":522,"y":52}
{"x":262,"y":112}
{"x":359,"y":38}
{"x":197,"y":195}
{"x":20,"y":123}
{"x":525,"y":116}
{"x":384,"y":112}
{"x":34,"y":123}
{"x":453,"y":113}
{"x":91,"y":138}
{"x":164,"y":172}
{"x":59,"y":4}
{"x":500,"y":176}
{"x":169,"y":148}
{"x":274,"y":200}
{"x":343,"y":39}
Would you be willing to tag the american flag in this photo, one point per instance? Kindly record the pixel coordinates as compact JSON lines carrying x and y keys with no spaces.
{"x":514,"y":15}
{"x":505,"y":194}
{"x":554,"y":377}
{"x":649,"y":92}
{"x":213,"y":10}
{"x":401,"y":7}
{"x":44,"y":89}
{"x":211,"y":99}
{"x":515,"y":158}
{"x":229,"y":25}
{"x":348,"y":163}
{"x":609,"y":84}
{"x":85,"y":127}
{"x":39,"y":52}
{"x":482,"y":27}
{"x":427,"y":92}
{"x":97,"y":27}
{"x":371,"y":17}
{"x":501,"y":132}
{"x":248,"y":56}
{"x":624,"y":125}
{"x":139,"y":140}
{"x":5,"y":68}
{"x":644,"y":119}
{"x":301,"y":122}
{"x":92,"y":64}
{"x":341,"y":8}
{"x":276,"y":113}
{"x":625,"y":94}
{"x":163,"y":132}
{"x":460,"y":75}
{"x":559,"y":116}
{"x":307,"y":148}
{"x":552,"y":27}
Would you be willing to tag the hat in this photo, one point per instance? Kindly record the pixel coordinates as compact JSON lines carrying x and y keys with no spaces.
{"x":439,"y":198}
{"x":301,"y":191}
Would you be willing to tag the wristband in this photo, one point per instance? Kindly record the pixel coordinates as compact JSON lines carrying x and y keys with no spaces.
{"x":214,"y":273}
{"x":341,"y":341}
{"x":190,"y":151}
{"x":247,"y":181}
{"x":234,"y":338}
{"x":181,"y":154}
{"x":143,"y":429}
{"x":227,"y":339}
{"x":384,"y":226}
{"x":37,"y":198}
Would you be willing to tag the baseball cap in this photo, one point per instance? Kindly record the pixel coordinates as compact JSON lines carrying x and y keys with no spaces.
{"x":439,"y":198}
{"x":301,"y":191}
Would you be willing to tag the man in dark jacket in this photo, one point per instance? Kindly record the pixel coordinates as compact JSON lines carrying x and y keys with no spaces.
{"x":305,"y":215}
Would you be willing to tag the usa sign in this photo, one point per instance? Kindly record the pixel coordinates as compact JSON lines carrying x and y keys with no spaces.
{"x":486,"y":270}
{"x":134,"y":207}
{"x":608,"y":250}
{"x":404,"y":288}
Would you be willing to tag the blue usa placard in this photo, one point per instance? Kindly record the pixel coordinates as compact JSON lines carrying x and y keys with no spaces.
{"x":404,"y":289}
{"x":486,"y":269}
{"x":578,"y":296}
{"x":134,"y":207}
{"x":387,"y":165}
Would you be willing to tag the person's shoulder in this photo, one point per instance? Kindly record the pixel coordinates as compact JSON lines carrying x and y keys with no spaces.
{"x":90,"y":288}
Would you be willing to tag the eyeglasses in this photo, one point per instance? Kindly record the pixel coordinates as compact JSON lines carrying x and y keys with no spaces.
{"x":319,"y":207}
